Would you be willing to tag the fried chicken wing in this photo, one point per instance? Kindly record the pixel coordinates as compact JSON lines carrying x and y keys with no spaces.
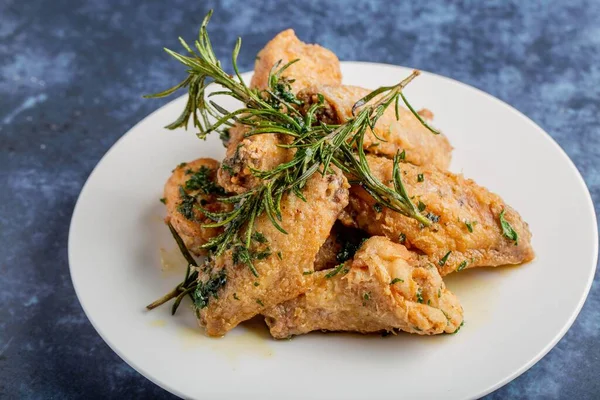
{"x":280,"y":259}
{"x":381,"y":289}
{"x":192,"y":184}
{"x":406,"y":133}
{"x":316,"y":64}
{"x":466,"y":231}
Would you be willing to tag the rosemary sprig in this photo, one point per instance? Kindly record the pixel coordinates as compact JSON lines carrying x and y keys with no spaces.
{"x":317,"y":146}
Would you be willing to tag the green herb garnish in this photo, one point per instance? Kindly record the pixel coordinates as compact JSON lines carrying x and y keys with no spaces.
{"x":335,"y":271}
{"x":259,"y":237}
{"x":432,"y":217}
{"x":201,"y":180}
{"x":186,"y":206}
{"x":507,"y":229}
{"x":402,"y":238}
{"x":396,"y":280}
{"x":349,"y":248}
{"x":469,"y":226}
{"x":442,"y":262}
{"x":458,"y":329}
{"x":462,"y":266}
{"x":420,"y":295}
{"x":227,"y":168}
{"x":366,"y":297}
{"x":205,"y":290}
{"x":420,"y":178}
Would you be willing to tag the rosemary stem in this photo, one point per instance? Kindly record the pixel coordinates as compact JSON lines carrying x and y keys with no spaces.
{"x":159,"y":302}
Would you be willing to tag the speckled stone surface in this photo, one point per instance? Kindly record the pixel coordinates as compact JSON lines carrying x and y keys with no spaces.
{"x":71,"y":79}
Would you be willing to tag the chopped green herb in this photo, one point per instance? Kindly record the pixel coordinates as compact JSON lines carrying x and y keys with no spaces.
{"x":432,"y":217}
{"x":349,"y":248}
{"x":279,"y":255}
{"x":163,"y":200}
{"x":256,"y":283}
{"x":186,"y":206}
{"x":377,"y":207}
{"x":227,"y":168}
{"x":462,"y":266}
{"x":442,"y":262}
{"x":259,"y":237}
{"x":458,"y":329}
{"x":205,"y":290}
{"x":366,"y":297}
{"x":201,"y":180}
{"x":396,"y":280}
{"x":181,"y":165}
{"x":261,"y":255}
{"x":416,"y":328}
{"x":307,"y":272}
{"x":439,"y":293}
{"x":420,"y":178}
{"x":469,"y":226}
{"x":403,"y":155}
{"x":335,"y":271}
{"x":507,"y":229}
{"x":420,"y":295}
{"x":428,"y":302}
{"x":260,"y":302}
{"x":421,"y":206}
{"x":235,"y":296}
{"x":241,"y":254}
{"x":402,"y":238}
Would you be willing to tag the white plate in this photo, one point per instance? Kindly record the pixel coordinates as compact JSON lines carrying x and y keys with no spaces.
{"x":514,"y":315}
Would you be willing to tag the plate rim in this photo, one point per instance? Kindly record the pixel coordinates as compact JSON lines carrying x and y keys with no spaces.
{"x":246,"y":75}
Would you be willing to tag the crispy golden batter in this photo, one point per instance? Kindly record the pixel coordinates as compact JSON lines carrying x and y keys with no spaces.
{"x":364,"y":299}
{"x":280,"y":275}
{"x":421,"y":146}
{"x":458,"y":203}
{"x":316,"y":64}
{"x":191,"y":230}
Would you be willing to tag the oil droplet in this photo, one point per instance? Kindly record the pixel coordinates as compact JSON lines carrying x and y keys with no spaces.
{"x":475,"y":288}
{"x":251,"y":338}
{"x":172,"y":261}
{"x":158,"y":323}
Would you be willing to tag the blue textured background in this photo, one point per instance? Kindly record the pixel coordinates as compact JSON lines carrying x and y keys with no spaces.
{"x":71,"y":77}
